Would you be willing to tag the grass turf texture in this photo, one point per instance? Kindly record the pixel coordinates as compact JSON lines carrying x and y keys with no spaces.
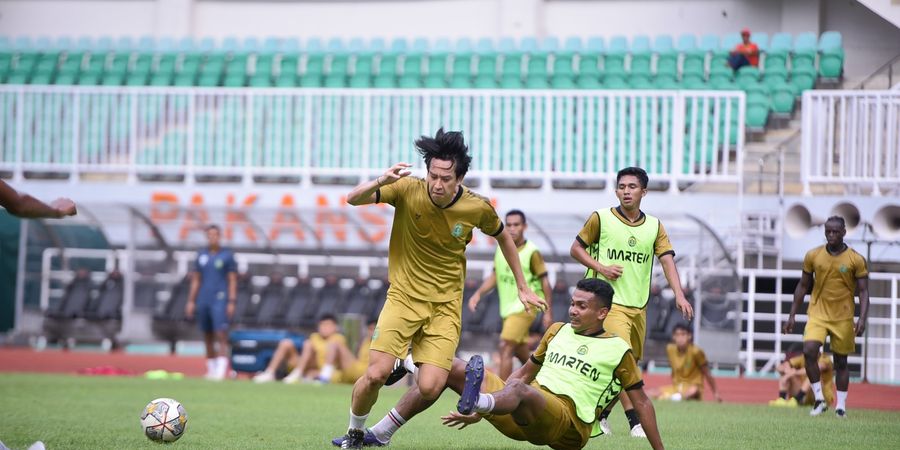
{"x":74,"y":412}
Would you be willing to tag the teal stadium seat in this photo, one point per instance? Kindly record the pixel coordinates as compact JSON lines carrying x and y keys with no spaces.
{"x":615,"y":55}
{"x":804,"y":51}
{"x":666,"y":55}
{"x":831,"y":59}
{"x":572,"y":44}
{"x":641,"y":55}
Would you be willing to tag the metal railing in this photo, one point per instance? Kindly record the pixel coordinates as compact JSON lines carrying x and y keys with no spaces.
{"x":190,"y":132}
{"x":851,"y":138}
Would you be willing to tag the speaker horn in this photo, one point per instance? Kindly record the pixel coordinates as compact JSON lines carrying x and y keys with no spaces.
{"x":886,"y":222}
{"x":850,"y":213}
{"x":798,"y":220}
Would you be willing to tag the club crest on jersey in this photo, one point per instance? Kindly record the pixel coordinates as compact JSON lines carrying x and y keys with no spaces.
{"x":582,"y":350}
{"x":219,"y":264}
{"x":457,"y":231}
{"x":843,"y":269}
{"x":632,"y":241}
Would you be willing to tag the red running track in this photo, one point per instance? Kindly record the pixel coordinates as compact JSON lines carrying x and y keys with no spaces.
{"x":737,"y":390}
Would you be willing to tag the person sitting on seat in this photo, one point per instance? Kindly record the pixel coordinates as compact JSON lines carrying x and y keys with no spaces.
{"x":744,"y":54}
{"x":309,"y":360}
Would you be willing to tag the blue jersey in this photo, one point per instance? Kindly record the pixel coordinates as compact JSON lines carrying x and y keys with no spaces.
{"x":214,"y":269}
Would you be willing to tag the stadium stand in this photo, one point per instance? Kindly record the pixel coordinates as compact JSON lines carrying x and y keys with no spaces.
{"x":87,"y":312}
{"x":789,"y":65}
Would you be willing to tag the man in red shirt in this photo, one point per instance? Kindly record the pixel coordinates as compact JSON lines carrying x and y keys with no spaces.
{"x":745,"y":53}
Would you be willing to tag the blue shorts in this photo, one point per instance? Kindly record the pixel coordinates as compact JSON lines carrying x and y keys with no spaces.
{"x":212,"y":315}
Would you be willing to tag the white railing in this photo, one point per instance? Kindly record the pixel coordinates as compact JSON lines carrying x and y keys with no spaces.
{"x":877,"y":351}
{"x":851,"y":138}
{"x":558,"y":134}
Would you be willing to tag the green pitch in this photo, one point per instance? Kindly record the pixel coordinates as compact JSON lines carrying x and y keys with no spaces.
{"x":94,"y":412}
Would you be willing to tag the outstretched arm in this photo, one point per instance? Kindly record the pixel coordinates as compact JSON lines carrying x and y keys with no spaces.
{"x":668,"y":264}
{"x":485,"y":287}
{"x":26,"y":206}
{"x":364,"y":193}
{"x":648,"y":416}
{"x":799,"y":294}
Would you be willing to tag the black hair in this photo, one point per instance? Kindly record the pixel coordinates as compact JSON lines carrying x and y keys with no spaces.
{"x":837,"y":219}
{"x":641,"y":175}
{"x":602,"y":290}
{"x":450,"y":146}
{"x":682,"y":326}
{"x":213,"y":226}
{"x":330,"y":317}
{"x":517,"y":212}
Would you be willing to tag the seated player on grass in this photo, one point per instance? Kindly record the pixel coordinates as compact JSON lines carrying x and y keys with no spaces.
{"x":689,"y":369}
{"x":309,"y":360}
{"x":555,"y":397}
{"x":794,"y":387}
{"x":341,"y":365}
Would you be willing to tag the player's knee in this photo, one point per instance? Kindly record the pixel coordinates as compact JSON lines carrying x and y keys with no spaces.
{"x":518,"y":387}
{"x":506,"y":348}
{"x":430,"y":391}
{"x":811,"y":350}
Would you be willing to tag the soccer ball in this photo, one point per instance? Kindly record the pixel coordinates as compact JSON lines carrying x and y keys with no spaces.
{"x":163,"y":420}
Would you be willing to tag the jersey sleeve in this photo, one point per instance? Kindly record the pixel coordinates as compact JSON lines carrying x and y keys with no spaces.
{"x":662,"y":246}
{"x":230,"y":264}
{"x":538,"y":267}
{"x":590,"y":232}
{"x":699,"y":357}
{"x":628,"y":373}
{"x":859,"y":263}
{"x":538,"y":356}
{"x":392,"y":193}
{"x":670,"y":354}
{"x":808,"y":265}
{"x":797,"y":362}
{"x":490,"y":223}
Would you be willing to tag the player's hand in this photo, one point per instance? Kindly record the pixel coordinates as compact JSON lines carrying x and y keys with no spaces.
{"x":687,"y":311}
{"x":473,"y":301}
{"x":860,"y":327}
{"x":789,"y":325}
{"x":396,"y":172}
{"x":65,"y":207}
{"x":454,"y":419}
{"x":529,"y":299}
{"x":229,"y":310}
{"x":189,"y":310}
{"x":611,"y":273}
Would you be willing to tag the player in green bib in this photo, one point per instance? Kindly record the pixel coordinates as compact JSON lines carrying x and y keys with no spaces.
{"x":516,"y":321}
{"x":618,"y":245}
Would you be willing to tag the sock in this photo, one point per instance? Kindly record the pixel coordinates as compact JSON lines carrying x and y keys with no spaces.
{"x":357,"y":422}
{"x":485,"y":403}
{"x":800,"y":396}
{"x":633,"y":419}
{"x":389,"y":425}
{"x":221,"y":366}
{"x":604,"y":414}
{"x":842,"y":400}
{"x":327,"y":372}
{"x":410,"y":365}
{"x":817,"y":391}
{"x":210,"y":366}
{"x":782,"y":394}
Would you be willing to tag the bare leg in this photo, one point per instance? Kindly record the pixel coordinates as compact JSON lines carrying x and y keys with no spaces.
{"x":841,"y":372}
{"x":506,"y":355}
{"x":523,"y":352}
{"x":523,"y":402}
{"x":210,"y":340}
{"x":283,"y":352}
{"x":339,"y":356}
{"x":222,"y":339}
{"x":692,"y":392}
{"x":307,"y":359}
{"x":811,"y":357}
{"x":365,"y":390}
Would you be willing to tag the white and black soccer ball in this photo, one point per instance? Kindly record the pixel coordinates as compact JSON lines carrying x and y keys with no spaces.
{"x":164,"y":420}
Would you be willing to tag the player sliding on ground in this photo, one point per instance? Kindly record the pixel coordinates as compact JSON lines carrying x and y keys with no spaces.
{"x":433,"y":222}
{"x":554,"y":398}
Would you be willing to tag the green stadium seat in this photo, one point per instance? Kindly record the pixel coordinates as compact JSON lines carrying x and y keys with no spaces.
{"x":572,"y":44}
{"x":511,"y":66}
{"x":412,"y":65}
{"x":803,"y":79}
{"x":562,"y":81}
{"x":286,"y":80}
{"x":562,"y":64}
{"x":696,"y":84}
{"x":509,"y":82}
{"x":387,"y":65}
{"x":160,"y":79}
{"x":666,"y":83}
{"x":411,"y":81}
{"x":88,"y":79}
{"x":339,"y":64}
{"x":462,"y":81}
{"x":670,"y":73}
{"x":113,"y":79}
{"x":384,"y":81}
{"x":831,"y":65}
{"x":462,"y":64}
{"x":615,"y":82}
{"x":208,"y":80}
{"x":234,"y":80}
{"x":757,"y":115}
{"x":137,"y":79}
{"x":639,"y":82}
{"x":723,"y":84}
{"x":782,"y":98}
{"x":437,"y":64}
{"x":615,"y":55}
{"x":360,"y":80}
{"x":41,"y":78}
{"x":537,"y":82}
{"x":537,"y":65}
{"x":288,"y":66}
{"x":719,"y":73}
{"x":746,"y":74}
{"x":310,"y":80}
{"x":315,"y":64}
{"x":435,"y":81}
{"x":588,"y":81}
{"x":263,"y":64}
{"x":588,"y":65}
{"x":775,"y":73}
{"x":804,"y":51}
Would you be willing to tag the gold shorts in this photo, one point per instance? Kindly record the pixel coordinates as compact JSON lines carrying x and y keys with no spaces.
{"x":432,"y":329}
{"x":841,"y":332}
{"x":557,"y":426}
{"x":516,"y":326}
{"x":681,"y":388}
{"x":629,"y":324}
{"x":349,"y":375}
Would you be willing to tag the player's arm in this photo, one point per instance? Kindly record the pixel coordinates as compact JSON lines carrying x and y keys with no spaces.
{"x":862,"y":288}
{"x":645,"y":411}
{"x":799,"y":294}
{"x":192,"y":294}
{"x":707,"y":375}
{"x":548,"y":296}
{"x":364,"y":193}
{"x":486,"y":286}
{"x":26,"y":206}
{"x":667,"y":261}
{"x":511,"y":255}
{"x":578,"y":251}
{"x":232,"y":293}
{"x":527,"y":372}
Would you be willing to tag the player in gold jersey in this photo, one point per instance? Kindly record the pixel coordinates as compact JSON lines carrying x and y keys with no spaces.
{"x":689,"y":369}
{"x":434,"y":219}
{"x":835,"y":271}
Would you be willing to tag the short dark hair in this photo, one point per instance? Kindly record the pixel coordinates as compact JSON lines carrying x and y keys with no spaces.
{"x":641,"y":175}
{"x":837,"y":219}
{"x":682,"y":326}
{"x":518,"y":212}
{"x":602,"y":290}
{"x":213,"y":226}
{"x":450,"y":146}
{"x":330,"y":317}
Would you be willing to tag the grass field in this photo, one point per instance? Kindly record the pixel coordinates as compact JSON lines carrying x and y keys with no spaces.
{"x":72,"y":412}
